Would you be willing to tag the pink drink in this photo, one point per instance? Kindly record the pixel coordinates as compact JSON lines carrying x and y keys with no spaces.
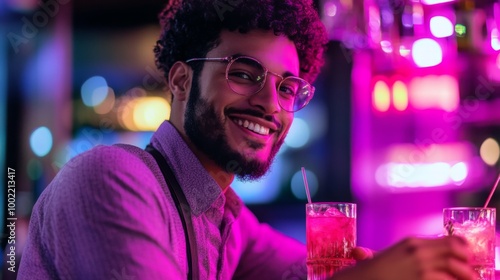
{"x":477,"y":226}
{"x":331,"y":236}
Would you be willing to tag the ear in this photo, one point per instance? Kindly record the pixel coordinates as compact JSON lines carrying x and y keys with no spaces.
{"x":179,"y":80}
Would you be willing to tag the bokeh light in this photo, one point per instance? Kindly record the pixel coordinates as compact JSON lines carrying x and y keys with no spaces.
{"x":381,"y":96}
{"x":143,"y":113}
{"x":107,"y":104}
{"x":299,"y":134}
{"x":495,"y":42}
{"x":458,"y":172}
{"x":460,"y":30}
{"x":426,"y":53}
{"x":150,"y":112}
{"x":490,"y":151}
{"x":400,"y":95}
{"x":441,"y":27}
{"x":330,"y":9}
{"x":94,"y":91}
{"x":41,"y":141}
{"x":386,"y":46}
{"x":298,"y":187}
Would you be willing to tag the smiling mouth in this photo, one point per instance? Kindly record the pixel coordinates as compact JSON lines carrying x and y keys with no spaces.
{"x":254,"y":127}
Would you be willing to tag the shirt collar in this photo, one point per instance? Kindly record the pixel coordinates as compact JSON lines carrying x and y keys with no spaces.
{"x":200,"y":188}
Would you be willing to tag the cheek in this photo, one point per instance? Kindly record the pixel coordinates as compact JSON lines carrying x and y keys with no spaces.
{"x":219,"y":94}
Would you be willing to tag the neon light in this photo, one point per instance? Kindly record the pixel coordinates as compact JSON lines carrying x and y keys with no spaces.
{"x":441,"y":27}
{"x":386,"y":46}
{"x":495,"y":42}
{"x":330,"y":9}
{"x":458,"y":172}
{"x":418,"y":14}
{"x":440,"y":92}
{"x":400,"y":96}
{"x":461,"y":30}
{"x":381,"y":96}
{"x":435,"y":2}
{"x":404,"y":175}
{"x":426,"y":53}
{"x":404,"y":51}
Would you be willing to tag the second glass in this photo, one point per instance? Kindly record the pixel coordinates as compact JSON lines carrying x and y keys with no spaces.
{"x":477,"y":226}
{"x":330,"y":238}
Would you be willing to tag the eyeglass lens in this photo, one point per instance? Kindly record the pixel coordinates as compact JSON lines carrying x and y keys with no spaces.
{"x":246,"y":76}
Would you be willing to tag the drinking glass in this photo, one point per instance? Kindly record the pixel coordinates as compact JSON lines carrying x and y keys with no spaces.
{"x":330,"y":238}
{"x":477,"y":226}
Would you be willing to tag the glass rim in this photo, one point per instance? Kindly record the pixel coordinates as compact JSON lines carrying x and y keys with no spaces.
{"x":468,"y":208}
{"x":331,"y":203}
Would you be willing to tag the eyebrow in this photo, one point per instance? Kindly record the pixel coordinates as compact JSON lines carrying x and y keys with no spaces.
{"x":285,"y":74}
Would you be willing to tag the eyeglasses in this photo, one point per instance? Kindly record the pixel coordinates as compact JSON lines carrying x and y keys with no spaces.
{"x":247,"y":76}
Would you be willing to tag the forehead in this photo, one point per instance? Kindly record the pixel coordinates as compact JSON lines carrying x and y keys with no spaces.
{"x":277,"y":53}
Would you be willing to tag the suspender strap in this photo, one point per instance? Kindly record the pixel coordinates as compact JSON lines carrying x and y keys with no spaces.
{"x":184,"y":212}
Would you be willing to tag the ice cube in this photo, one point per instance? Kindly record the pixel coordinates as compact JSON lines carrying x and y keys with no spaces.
{"x":333,"y":212}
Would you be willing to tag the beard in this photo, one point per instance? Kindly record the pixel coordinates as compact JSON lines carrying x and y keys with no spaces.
{"x":205,"y":128}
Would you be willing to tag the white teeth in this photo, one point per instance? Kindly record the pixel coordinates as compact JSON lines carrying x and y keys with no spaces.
{"x":257,"y":128}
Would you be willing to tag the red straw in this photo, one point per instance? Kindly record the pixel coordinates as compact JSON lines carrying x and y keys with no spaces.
{"x":492,"y":191}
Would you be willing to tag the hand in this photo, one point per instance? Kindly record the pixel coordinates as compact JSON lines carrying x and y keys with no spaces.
{"x":362,"y":253}
{"x":416,"y":259}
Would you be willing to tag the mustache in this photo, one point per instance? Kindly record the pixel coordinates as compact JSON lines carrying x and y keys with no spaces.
{"x":254,"y":113}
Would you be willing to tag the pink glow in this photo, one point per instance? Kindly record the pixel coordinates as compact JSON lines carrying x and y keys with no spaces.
{"x":404,"y":175}
{"x":435,"y":2}
{"x":386,"y":46}
{"x":441,"y":27}
{"x":431,"y":91}
{"x":427,"y":53}
{"x":435,"y":165}
{"x":374,"y":24}
{"x":429,"y":153}
{"x":418,"y":14}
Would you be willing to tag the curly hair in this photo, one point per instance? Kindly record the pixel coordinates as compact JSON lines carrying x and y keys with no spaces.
{"x":191,"y":28}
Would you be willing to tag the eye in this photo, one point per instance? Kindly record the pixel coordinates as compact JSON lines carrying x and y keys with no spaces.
{"x":287,"y":91}
{"x":288,"y":88}
{"x":241,"y":76}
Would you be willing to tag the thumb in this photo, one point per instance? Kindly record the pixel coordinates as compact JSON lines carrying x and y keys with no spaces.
{"x":362,"y":253}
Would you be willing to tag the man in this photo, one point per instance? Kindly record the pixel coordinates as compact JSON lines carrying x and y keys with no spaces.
{"x":236,"y":77}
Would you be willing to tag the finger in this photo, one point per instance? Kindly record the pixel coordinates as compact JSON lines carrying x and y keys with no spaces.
{"x":455,"y":268}
{"x":450,"y":246}
{"x":362,"y":253}
{"x":437,"y":275}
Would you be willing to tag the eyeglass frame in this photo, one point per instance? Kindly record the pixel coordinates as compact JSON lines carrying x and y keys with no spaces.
{"x":230,"y":59}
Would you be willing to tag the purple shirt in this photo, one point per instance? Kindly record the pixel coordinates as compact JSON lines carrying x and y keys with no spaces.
{"x":108,"y":214}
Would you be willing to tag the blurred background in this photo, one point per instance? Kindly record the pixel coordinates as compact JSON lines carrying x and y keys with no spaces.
{"x":405,"y":120}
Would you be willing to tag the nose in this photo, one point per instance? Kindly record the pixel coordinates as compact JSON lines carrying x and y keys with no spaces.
{"x":267,"y":97}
